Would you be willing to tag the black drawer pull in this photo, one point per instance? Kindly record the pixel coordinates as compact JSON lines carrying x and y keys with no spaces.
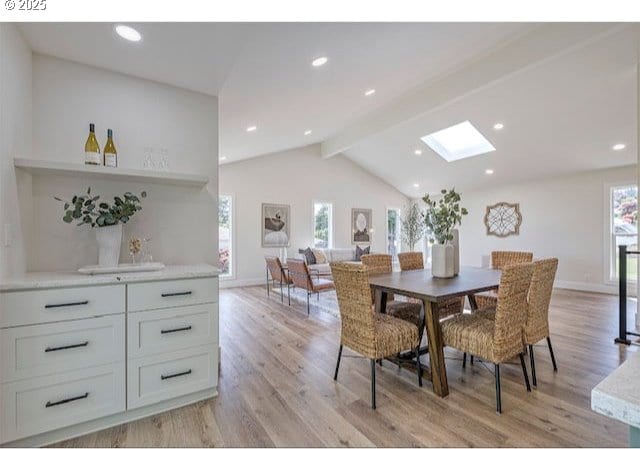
{"x":178,"y":329}
{"x":62,"y":348}
{"x":169,"y":376}
{"x":167,"y":295}
{"x":66,"y":304}
{"x":64,"y":401}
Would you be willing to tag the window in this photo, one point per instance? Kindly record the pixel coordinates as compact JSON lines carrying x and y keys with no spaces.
{"x":458,"y":142}
{"x":225,"y":235}
{"x":623,"y":228}
{"x":393,"y":232}
{"x":322,"y":225}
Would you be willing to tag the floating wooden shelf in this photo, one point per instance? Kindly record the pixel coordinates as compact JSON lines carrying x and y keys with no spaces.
{"x":40,"y":167}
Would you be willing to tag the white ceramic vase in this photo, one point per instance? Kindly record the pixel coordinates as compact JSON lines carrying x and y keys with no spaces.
{"x":109,"y":240}
{"x":442,"y":260}
{"x":456,"y":251}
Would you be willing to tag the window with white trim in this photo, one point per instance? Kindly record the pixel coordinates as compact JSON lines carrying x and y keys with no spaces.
{"x":225,"y":235}
{"x":322,"y":225}
{"x":623,"y":228}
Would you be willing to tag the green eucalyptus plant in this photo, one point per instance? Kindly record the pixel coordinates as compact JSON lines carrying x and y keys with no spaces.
{"x":87,"y":209}
{"x":442,"y":216}
{"x":412,"y":225}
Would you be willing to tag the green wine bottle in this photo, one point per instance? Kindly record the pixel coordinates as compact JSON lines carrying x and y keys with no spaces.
{"x":110,"y":153}
{"x":91,"y":148}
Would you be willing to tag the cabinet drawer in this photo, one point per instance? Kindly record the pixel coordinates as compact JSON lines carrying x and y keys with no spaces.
{"x":46,"y":306}
{"x":38,"y":405}
{"x":31,"y":351}
{"x":157,"y":378}
{"x":158,"y":295}
{"x":167,"y":330}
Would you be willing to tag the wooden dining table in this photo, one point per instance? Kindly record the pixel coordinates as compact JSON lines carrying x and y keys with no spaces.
{"x":432,"y":291}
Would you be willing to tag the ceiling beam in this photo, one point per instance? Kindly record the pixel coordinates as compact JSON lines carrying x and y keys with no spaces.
{"x":527,"y":50}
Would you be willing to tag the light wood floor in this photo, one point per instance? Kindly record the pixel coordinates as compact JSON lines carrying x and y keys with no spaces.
{"x":277,"y":388}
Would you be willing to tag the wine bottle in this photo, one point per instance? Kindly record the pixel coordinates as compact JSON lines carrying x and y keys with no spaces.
{"x":91,"y":148}
{"x":110,"y":153}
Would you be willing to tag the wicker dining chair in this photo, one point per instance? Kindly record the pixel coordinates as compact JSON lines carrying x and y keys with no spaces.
{"x":374,"y":335}
{"x":301,"y":277}
{"x":415,"y":261}
{"x":411,"y":310}
{"x":500,"y":339}
{"x":278,"y":274}
{"x":499,"y":260}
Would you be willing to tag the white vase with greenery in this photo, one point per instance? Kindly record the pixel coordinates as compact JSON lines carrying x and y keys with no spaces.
{"x":440,"y":218}
{"x":106,"y":218}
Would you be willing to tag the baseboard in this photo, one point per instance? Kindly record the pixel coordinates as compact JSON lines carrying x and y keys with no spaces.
{"x":231,"y":283}
{"x":589,"y":287}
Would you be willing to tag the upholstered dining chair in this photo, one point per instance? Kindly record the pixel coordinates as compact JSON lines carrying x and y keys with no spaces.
{"x":536,"y":327}
{"x":278,"y":274}
{"x":411,"y":310}
{"x":301,"y":277}
{"x":501,"y":339}
{"x":499,"y":260}
{"x":373,"y":335}
{"x":415,"y":261}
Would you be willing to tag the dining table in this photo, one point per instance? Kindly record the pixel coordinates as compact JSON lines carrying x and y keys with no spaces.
{"x":433,"y":292}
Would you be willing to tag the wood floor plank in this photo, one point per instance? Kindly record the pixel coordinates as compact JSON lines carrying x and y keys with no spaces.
{"x":276,"y":388}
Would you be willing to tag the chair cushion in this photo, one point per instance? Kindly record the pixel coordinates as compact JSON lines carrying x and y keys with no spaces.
{"x":322,"y":284}
{"x":361,"y":252}
{"x":319,"y":255}
{"x":470,"y":333}
{"x":393,"y":335}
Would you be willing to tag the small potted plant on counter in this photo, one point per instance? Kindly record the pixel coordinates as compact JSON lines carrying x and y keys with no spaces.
{"x":107,"y":218}
{"x":441,"y":218}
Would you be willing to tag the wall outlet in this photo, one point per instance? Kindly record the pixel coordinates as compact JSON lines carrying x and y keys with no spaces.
{"x":7,"y":235}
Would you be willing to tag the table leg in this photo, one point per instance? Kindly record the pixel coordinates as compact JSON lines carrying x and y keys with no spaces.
{"x":436,"y":349}
{"x":472,"y":302}
{"x":380,"y":300}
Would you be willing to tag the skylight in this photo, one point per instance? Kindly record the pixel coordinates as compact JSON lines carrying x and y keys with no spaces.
{"x":458,"y":142}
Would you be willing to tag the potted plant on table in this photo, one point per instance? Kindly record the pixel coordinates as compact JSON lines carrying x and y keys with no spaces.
{"x":107,"y":218}
{"x":441,"y":218}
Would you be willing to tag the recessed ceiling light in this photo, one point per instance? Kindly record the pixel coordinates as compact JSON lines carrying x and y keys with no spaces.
{"x":618,"y":147}
{"x":417,"y":152}
{"x":498,"y":126}
{"x":489,"y":171}
{"x":370,"y":92}
{"x":319,"y":61}
{"x":222,"y":158}
{"x":307,"y":132}
{"x":128,"y":33}
{"x":416,"y":185}
{"x":251,"y":128}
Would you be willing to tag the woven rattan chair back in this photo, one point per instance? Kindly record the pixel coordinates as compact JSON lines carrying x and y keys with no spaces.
{"x":411,"y":261}
{"x":377,"y":263}
{"x":511,"y":311}
{"x":354,"y":300}
{"x":537,"y":324}
{"x":275,"y":268}
{"x":299,"y":273}
{"x":501,"y":259}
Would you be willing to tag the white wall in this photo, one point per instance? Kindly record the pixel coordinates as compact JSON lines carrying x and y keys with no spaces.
{"x":298,"y":178}
{"x":561,"y":217}
{"x":15,"y":138}
{"x":182,"y":221}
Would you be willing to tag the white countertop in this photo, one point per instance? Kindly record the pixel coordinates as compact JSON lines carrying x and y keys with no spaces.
{"x":37,"y":280}
{"x":618,"y":395}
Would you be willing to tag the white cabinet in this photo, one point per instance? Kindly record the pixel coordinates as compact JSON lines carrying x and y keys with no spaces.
{"x":86,"y":352}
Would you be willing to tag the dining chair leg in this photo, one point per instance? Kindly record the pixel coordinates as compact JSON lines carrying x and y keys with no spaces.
{"x":380,"y":362}
{"x":524,"y":371}
{"x":553,"y":358}
{"x":318,"y":297}
{"x":308,"y":296}
{"x":471,"y":360}
{"x":335,"y":376}
{"x":533,"y":367}
{"x":498,"y":399}
{"x":464,"y":360}
{"x":267,"y":282}
{"x":373,"y":384}
{"x":281,"y":293}
{"x":419,"y":366}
